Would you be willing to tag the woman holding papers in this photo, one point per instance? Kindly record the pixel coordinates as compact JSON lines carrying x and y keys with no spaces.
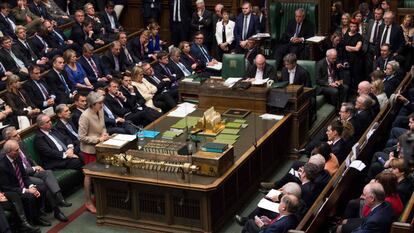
{"x":91,"y":132}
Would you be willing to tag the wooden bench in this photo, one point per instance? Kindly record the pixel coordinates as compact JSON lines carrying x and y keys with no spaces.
{"x":406,"y":223}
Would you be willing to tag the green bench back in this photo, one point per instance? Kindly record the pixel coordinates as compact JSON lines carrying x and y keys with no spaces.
{"x":408,"y":4}
{"x":234,"y":65}
{"x":28,"y":142}
{"x":281,"y":13}
{"x":310,"y":66}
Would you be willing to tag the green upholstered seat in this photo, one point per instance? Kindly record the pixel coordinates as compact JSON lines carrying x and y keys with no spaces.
{"x":67,"y":33}
{"x":234,"y":65}
{"x":310,"y":66}
{"x":281,"y":13}
{"x":272,"y":62}
{"x":30,"y":149}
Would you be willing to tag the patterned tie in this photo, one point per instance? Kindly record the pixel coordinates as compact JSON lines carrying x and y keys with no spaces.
{"x":18,"y":174}
{"x":72,"y":131}
{"x":43,"y":90}
{"x":94,"y":67}
{"x":24,"y":159}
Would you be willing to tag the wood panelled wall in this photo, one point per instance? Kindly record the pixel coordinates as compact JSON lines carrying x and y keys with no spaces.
{"x":132,"y":19}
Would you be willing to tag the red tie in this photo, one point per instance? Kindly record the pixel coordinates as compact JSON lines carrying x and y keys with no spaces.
{"x":275,"y":219}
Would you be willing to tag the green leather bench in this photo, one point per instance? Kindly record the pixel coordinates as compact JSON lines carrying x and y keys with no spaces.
{"x":281,"y":12}
{"x":68,"y":179}
{"x":408,"y":3}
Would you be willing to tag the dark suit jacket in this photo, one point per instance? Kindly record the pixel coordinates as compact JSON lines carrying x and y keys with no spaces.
{"x":250,"y":56}
{"x":54,"y":82}
{"x":301,"y":76}
{"x":35,"y":94}
{"x":133,"y":101}
{"x":134,"y":47}
{"x":188,"y":61}
{"x":309,"y":193}
{"x":177,"y":71}
{"x":40,"y":10}
{"x":205,"y":25}
{"x":378,"y":221}
{"x":370,"y":28}
{"x":397,"y":40}
{"x":161,"y":72}
{"x":60,"y":126}
{"x":185,"y":10}
{"x":9,"y":181}
{"x":381,"y":63}
{"x":107,"y":24}
{"x":76,"y":113}
{"x":5,"y":27}
{"x":198,"y":54}
{"x":364,"y":118}
{"x":18,"y":104}
{"x":254,"y":27}
{"x":390,"y":84}
{"x":54,"y":41}
{"x":114,"y":106}
{"x":322,"y":73}
{"x":38,"y":46}
{"x":77,"y":34}
{"x":49,"y":153}
{"x":269,"y":72}
{"x":23,"y":53}
{"x":340,"y":150}
{"x":306,"y":30}
{"x":160,"y":86}
{"x":88,"y":68}
{"x":146,"y":7}
{"x":282,"y":225}
{"x":8,"y":62}
{"x":108,"y":63}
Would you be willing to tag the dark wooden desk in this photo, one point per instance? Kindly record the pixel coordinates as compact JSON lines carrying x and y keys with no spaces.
{"x":170,"y":202}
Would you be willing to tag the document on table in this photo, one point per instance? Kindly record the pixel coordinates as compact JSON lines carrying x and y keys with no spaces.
{"x":259,"y":81}
{"x":124,"y":137}
{"x":217,"y":66}
{"x":273,"y":193}
{"x":114,"y":142}
{"x":357,"y":164}
{"x":268,"y":205}
{"x":231,"y":81}
{"x":268,"y":116}
{"x":316,"y":39}
{"x":182,"y":111}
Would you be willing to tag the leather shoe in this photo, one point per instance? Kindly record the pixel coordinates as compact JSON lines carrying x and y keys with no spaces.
{"x":27,"y":227}
{"x":60,"y":216}
{"x":240,"y":220}
{"x":267,"y":185}
{"x":64,"y":203}
{"x":43,"y":222}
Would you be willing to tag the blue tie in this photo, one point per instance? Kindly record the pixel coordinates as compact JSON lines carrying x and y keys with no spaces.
{"x":67,"y":90}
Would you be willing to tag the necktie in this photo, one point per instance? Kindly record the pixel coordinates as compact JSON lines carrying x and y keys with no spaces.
{"x":224,"y":34}
{"x":112,"y":21}
{"x":384,"y":37}
{"x":116,"y":60}
{"x":67,"y":90}
{"x":72,"y":131}
{"x":32,"y":54}
{"x":204,"y":52}
{"x":26,"y":163}
{"x":110,"y":115}
{"x":183,"y":69}
{"x":19,"y":63}
{"x":43,"y":90}
{"x":2,"y":69}
{"x":245,"y":28}
{"x":11,"y":23}
{"x":119,"y":102}
{"x":94,"y":68}
{"x":156,"y":80}
{"x":385,"y":63}
{"x":61,"y":144}
{"x":18,"y":174}
{"x":128,"y":55}
{"x":297,"y":30}
{"x":60,"y":38}
{"x":374,"y":40}
{"x":167,"y":70}
{"x":275,"y":219}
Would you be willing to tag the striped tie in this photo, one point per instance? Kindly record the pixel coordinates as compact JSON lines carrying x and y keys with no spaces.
{"x":18,"y":174}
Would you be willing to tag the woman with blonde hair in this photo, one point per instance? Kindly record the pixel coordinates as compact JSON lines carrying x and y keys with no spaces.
{"x":76,"y":73}
{"x":23,"y":108}
{"x":345,"y":21}
{"x":154,"y":41}
{"x":377,"y":89}
{"x":145,"y":88}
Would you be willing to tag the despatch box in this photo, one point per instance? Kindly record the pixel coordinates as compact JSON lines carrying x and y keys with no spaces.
{"x":213,"y":164}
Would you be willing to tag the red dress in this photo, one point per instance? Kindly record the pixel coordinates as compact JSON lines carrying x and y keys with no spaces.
{"x":395,"y":202}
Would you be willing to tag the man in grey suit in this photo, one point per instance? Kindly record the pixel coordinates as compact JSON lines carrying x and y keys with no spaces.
{"x":370,"y":40}
{"x":37,"y":174}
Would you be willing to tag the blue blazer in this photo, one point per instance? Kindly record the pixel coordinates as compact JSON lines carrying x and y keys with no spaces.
{"x":196,"y":52}
{"x":378,"y":221}
{"x":254,"y":27}
{"x":282,"y":225}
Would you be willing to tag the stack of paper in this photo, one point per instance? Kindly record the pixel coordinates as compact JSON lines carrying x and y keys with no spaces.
{"x":124,"y":137}
{"x":217,"y":66}
{"x":231,"y":81}
{"x":269,"y":205}
{"x":316,"y":39}
{"x":182,"y":110}
{"x":119,"y":140}
{"x":268,"y":116}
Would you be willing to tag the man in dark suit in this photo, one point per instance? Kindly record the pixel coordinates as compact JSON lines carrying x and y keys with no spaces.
{"x":37,"y":89}
{"x":138,"y":48}
{"x":284,"y":221}
{"x":24,"y":50}
{"x":151,"y":10}
{"x":293,"y":39}
{"x":165,"y":97}
{"x":113,"y":123}
{"x":251,"y":51}
{"x":391,"y":33}
{"x":176,"y":66}
{"x":39,"y":9}
{"x":200,"y":51}
{"x":37,"y":174}
{"x":338,"y":145}
{"x":328,"y":80}
{"x":261,"y":17}
{"x":120,"y":106}
{"x":85,"y":34}
{"x":261,"y":70}
{"x":247,"y":25}
{"x":125,"y":52}
{"x":92,"y":66}
{"x":91,"y":15}
{"x":112,"y":61}
{"x":180,"y":17}
{"x":56,"y":151}
{"x":381,"y":216}
{"x":162,"y":70}
{"x":109,"y":20}
{"x":58,"y":81}
{"x":369,"y":47}
{"x":65,"y":126}
{"x":10,"y":60}
{"x":7,"y":23}
{"x":363,"y":114}
{"x":294,"y":73}
{"x":202,"y":21}
{"x":41,"y":47}
{"x":57,"y":39}
{"x":80,"y":105}
{"x":385,"y":57}
{"x":15,"y":179}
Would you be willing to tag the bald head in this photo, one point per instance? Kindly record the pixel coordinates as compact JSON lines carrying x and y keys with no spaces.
{"x":364,"y":87}
{"x":289,"y":204}
{"x":318,"y":160}
{"x":373,"y":194}
{"x":331,"y":55}
{"x":260,"y":61}
{"x":11,"y":148}
{"x":292,"y":188}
